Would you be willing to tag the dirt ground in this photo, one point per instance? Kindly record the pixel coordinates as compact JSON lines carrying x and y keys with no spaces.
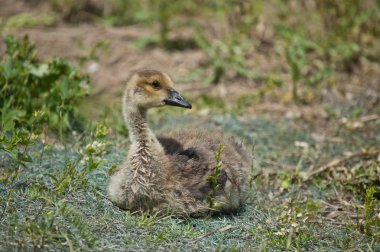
{"x":109,"y":55}
{"x":116,"y":62}
{"x":111,"y":64}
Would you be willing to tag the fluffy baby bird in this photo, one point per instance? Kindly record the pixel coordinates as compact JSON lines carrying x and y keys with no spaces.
{"x":176,"y":173}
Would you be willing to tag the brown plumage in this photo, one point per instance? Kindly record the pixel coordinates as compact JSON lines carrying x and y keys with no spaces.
{"x":175,"y":173}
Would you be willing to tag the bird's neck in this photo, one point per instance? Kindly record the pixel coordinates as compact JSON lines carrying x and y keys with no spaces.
{"x":139,"y":130}
{"x":146,"y":150}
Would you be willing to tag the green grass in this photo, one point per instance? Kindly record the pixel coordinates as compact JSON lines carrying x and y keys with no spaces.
{"x":41,"y":216}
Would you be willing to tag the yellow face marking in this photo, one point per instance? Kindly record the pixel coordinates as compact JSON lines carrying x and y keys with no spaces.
{"x":163,"y":79}
{"x":150,"y":90}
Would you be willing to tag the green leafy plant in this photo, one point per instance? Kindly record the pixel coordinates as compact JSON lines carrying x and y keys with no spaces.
{"x":298,"y":55}
{"x":79,"y":10}
{"x":227,"y":53}
{"x":75,"y":173}
{"x":53,"y":89}
{"x":153,"y":12}
{"x":371,"y":212}
{"x":349,"y":20}
{"x":92,"y":53}
{"x":223,"y":56}
{"x":27,"y":20}
{"x":216,"y":186}
{"x":14,"y":153}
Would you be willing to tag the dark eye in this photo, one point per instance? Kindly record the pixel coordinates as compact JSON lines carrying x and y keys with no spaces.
{"x":156,"y":84}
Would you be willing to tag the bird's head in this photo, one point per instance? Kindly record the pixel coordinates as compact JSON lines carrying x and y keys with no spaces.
{"x":151,"y":88}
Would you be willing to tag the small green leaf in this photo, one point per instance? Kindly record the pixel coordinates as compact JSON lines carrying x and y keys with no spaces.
{"x":40,"y":71}
{"x":213,"y":180}
{"x":285,"y":183}
{"x":24,"y":157}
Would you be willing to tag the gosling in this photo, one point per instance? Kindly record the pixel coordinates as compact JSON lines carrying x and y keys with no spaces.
{"x":177,"y":173}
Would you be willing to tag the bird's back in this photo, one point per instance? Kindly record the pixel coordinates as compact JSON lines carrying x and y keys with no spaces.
{"x":193,"y":158}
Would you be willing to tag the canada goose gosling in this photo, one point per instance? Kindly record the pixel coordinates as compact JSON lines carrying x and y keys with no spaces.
{"x":172,"y":173}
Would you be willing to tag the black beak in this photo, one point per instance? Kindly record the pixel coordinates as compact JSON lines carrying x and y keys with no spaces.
{"x":175,"y":99}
